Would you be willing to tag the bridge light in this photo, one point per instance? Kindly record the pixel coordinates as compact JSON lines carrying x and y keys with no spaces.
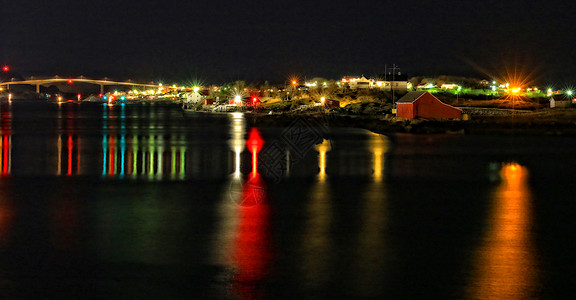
{"x":6,"y":68}
{"x":70,"y":81}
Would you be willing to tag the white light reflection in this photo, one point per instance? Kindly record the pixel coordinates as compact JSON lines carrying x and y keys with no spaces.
{"x":232,"y":195}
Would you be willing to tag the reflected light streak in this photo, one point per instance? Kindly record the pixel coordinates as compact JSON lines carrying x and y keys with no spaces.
{"x":59,"y":145}
{"x":322,"y":150}
{"x":69,"y":148}
{"x":104,"y":154}
{"x":252,"y":252}
{"x":372,"y":246}
{"x":6,"y":142}
{"x":316,"y":243}
{"x":182,"y":162}
{"x":6,"y":158}
{"x":378,"y":145}
{"x":505,"y":266}
{"x":255,"y":144}
{"x":236,"y":142}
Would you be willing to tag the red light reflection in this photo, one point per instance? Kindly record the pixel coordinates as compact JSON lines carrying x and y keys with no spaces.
{"x":252,"y":248}
{"x":254,"y":144}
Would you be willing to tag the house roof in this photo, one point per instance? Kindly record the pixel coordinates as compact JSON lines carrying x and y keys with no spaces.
{"x":560,"y":98}
{"x":411,"y":97}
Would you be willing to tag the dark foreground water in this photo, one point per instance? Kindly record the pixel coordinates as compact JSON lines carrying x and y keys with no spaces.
{"x":142,"y":202}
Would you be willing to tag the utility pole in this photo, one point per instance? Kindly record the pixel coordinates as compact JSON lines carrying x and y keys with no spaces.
{"x":394,"y":68}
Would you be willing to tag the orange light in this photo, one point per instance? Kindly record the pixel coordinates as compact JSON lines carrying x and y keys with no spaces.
{"x":294,"y":82}
{"x":505,"y":265}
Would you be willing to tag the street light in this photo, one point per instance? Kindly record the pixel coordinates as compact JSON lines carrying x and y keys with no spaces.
{"x":458,"y":93}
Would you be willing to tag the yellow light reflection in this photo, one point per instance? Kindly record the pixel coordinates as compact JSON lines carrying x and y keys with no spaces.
{"x":372,"y":248}
{"x":505,"y":266}
{"x":322,"y":150}
{"x":378,"y":146}
{"x":316,"y":243}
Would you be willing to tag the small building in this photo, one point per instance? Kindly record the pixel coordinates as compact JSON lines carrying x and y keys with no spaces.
{"x":560,"y":101}
{"x":355,"y":82}
{"x":392,"y":81}
{"x":194,"y":97}
{"x":422,"y":104}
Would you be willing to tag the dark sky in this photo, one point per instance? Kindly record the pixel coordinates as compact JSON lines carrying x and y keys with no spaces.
{"x":220,"y":41}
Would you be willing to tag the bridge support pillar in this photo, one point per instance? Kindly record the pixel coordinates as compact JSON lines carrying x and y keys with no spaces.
{"x":102,"y":89}
{"x":37,"y":89}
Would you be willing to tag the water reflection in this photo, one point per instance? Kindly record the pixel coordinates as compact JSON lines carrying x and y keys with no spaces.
{"x":316,"y":244}
{"x":227,"y":209}
{"x":143,"y":154}
{"x":373,"y":251}
{"x":505,"y":263}
{"x":6,"y":213}
{"x":243,"y":241}
{"x":6,"y":136}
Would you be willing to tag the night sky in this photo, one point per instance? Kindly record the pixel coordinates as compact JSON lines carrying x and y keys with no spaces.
{"x":221,"y":41}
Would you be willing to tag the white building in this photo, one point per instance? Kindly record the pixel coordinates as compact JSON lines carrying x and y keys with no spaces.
{"x":560,"y":101}
{"x":355,"y":82}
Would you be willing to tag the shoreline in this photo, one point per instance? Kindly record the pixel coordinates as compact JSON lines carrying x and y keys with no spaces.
{"x":549,"y":122}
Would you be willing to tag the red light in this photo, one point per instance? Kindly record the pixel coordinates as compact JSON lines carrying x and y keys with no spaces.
{"x":70,"y":81}
{"x":255,"y":141}
{"x":6,"y":68}
{"x":100,"y":95}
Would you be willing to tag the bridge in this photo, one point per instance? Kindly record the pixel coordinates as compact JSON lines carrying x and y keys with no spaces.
{"x":101,"y":83}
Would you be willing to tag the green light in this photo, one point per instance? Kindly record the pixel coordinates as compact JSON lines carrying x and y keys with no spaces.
{"x":569,"y":92}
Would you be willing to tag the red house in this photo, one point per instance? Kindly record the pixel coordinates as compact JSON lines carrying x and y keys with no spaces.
{"x":421,"y":104}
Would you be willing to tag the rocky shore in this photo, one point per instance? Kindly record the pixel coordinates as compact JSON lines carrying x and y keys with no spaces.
{"x":543,"y":122}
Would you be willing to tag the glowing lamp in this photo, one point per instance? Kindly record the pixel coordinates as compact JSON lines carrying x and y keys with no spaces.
{"x":237,"y":99}
{"x":569,"y":92}
{"x":6,"y":68}
{"x":70,"y":81}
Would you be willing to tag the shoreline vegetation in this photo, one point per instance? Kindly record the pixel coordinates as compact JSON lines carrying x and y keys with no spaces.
{"x":480,"y":117}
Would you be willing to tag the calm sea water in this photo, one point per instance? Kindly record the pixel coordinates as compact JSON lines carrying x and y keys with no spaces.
{"x":143,"y":202}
